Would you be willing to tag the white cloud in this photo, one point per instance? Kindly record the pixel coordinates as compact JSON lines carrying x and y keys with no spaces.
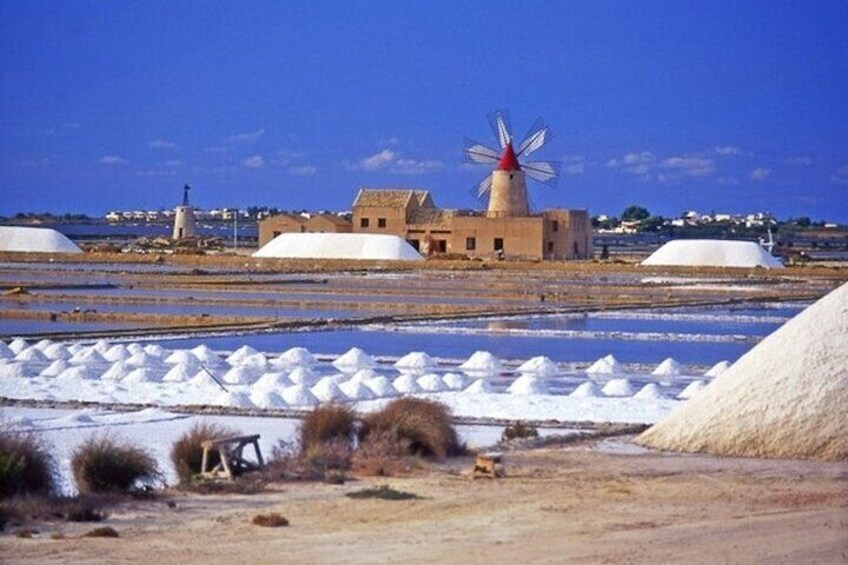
{"x":575,"y":164}
{"x":760,"y":173}
{"x":634,"y":163}
{"x":391,"y":161}
{"x":247,"y":137}
{"x":113,"y":160}
{"x":161,"y":144}
{"x":690,"y":166}
{"x":303,"y":170}
{"x":173,"y":163}
{"x":254,"y":162}
{"x":799,"y":160}
{"x":727,"y":150}
{"x":840,"y":176}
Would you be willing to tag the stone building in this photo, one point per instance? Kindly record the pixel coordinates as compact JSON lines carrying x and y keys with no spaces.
{"x":272,"y":226}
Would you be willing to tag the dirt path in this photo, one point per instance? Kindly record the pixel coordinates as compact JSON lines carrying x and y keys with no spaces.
{"x":575,"y":505}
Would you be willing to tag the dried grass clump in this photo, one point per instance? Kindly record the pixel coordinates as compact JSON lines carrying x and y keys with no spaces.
{"x":104,"y":464}
{"x":187,"y":451}
{"x":383,"y":454}
{"x":102,"y":532}
{"x":424,"y":424}
{"x":26,"y":466}
{"x":326,"y":425}
{"x":271,"y":520}
{"x":382,"y":492}
{"x":518,"y":430}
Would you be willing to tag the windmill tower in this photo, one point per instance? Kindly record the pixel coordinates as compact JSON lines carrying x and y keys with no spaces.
{"x":505,"y":186}
{"x":184,"y":225}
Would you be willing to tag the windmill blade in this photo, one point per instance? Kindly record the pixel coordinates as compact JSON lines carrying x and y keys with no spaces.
{"x":546,"y":172}
{"x":482,"y":188}
{"x":537,"y":136}
{"x":499,"y":120}
{"x":475,"y":152}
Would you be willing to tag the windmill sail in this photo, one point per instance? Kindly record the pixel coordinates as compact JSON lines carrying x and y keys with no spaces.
{"x":546,"y":172}
{"x":476,"y":152}
{"x":499,"y":120}
{"x":537,"y":136}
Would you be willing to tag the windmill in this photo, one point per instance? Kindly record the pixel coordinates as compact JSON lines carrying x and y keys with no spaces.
{"x":505,"y":186}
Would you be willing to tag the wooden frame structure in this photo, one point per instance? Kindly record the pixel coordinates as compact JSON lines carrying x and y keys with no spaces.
{"x":232,"y":461}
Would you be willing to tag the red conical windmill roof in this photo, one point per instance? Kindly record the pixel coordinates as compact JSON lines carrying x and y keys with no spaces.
{"x":509,"y":162}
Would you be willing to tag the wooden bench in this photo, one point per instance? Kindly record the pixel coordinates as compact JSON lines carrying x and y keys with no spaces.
{"x":488,"y":465}
{"x":232,"y":461}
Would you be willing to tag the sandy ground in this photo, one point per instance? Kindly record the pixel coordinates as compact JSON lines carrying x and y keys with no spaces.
{"x":580,"y":504}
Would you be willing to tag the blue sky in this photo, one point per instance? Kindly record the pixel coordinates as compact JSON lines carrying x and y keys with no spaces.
{"x":726,"y":106}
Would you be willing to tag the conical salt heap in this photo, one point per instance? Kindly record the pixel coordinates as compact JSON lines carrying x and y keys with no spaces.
{"x":786,"y":398}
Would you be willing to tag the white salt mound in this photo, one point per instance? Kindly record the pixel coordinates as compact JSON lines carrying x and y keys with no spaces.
{"x":180,"y":373}
{"x":587,"y":390}
{"x":608,"y":365}
{"x":528,"y":384}
{"x":35,"y":240}
{"x":691,"y":390}
{"x":272,"y":381}
{"x":117,"y":372}
{"x":712,"y":253}
{"x":431,"y":382}
{"x":382,"y":387}
{"x":55,"y":368}
{"x":141,"y":375}
{"x":354,"y":360}
{"x":241,"y":375}
{"x":360,"y":246}
{"x":415,"y":360}
{"x":234,"y":400}
{"x":207,"y":355}
{"x":718,"y":369}
{"x":17,"y":345}
{"x":455,"y":381}
{"x":650,"y":392}
{"x":326,"y":390}
{"x":669,"y":367}
{"x":267,"y":399}
{"x":182,"y":357}
{"x":155,"y":349}
{"x":56,"y":351}
{"x":364,"y":375}
{"x":482,"y":362}
{"x":13,"y":371}
{"x":479,"y":385}
{"x":31,"y":354}
{"x":541,"y":366}
{"x":304,"y":376}
{"x":407,"y":384}
{"x":356,"y":390}
{"x":299,"y":395}
{"x":297,"y":356}
{"x":5,"y":351}
{"x":116,"y":353}
{"x":239,"y":354}
{"x":785,"y":398}
{"x":618,"y":387}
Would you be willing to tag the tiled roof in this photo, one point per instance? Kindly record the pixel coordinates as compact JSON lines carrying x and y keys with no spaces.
{"x":388,"y":197}
{"x":430,"y":216}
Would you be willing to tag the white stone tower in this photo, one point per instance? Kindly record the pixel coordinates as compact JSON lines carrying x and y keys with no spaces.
{"x":184,"y":225}
{"x":508,"y":196}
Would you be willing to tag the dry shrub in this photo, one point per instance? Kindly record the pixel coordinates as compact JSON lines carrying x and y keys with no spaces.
{"x":383,"y":454}
{"x":328,"y":461}
{"x":102,"y":532}
{"x":26,"y":466}
{"x":518,"y":430}
{"x":104,"y":464}
{"x":326,"y":425}
{"x":187,"y":451}
{"x":25,"y":533}
{"x":382,"y":492}
{"x":271,"y":520}
{"x":424,"y":424}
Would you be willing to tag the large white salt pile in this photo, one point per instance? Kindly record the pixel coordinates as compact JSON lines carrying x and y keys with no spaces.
{"x":528,"y":384}
{"x":478,"y":386}
{"x":87,"y":357}
{"x":482,"y":362}
{"x":56,"y":351}
{"x":267,"y":399}
{"x":431,"y":382}
{"x":297,"y":356}
{"x":116,"y":353}
{"x":455,"y":381}
{"x":55,"y":368}
{"x":356,"y":390}
{"x":326,"y":390}
{"x":272,"y":381}
{"x":182,"y":357}
{"x":608,"y":365}
{"x":180,"y":373}
{"x":142,"y":375}
{"x":361,"y":246}
{"x":155,"y":349}
{"x":407,"y":384}
{"x":364,"y":375}
{"x":32,"y":354}
{"x":712,"y":253}
{"x":304,"y":376}
{"x":5,"y":351}
{"x":234,"y":400}
{"x":382,"y":387}
{"x":785,"y":398}
{"x":541,"y":366}
{"x":691,"y":390}
{"x":240,"y":354}
{"x":17,"y":345}
{"x":207,"y":355}
{"x":718,"y":369}
{"x":241,"y":375}
{"x":354,"y":360}
{"x":415,"y":361}
{"x":618,"y":387}
{"x":587,"y":390}
{"x":299,"y":395}
{"x":650,"y":391}
{"x":668,"y":367}
{"x":117,"y":372}
{"x":13,"y":371}
{"x":35,"y":240}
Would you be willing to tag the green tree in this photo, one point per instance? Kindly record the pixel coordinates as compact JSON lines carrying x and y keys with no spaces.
{"x":635,"y":213}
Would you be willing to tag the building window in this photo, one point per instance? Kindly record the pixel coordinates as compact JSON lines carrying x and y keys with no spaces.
{"x":555,"y":225}
{"x":498,"y":244}
{"x":550,"y":247}
{"x":441,"y":246}
{"x":363,"y":222}
{"x":381,"y":222}
{"x":470,"y":243}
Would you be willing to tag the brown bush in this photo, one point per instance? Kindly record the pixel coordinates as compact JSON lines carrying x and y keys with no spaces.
{"x":102,"y":532}
{"x":326,"y":424}
{"x":187,"y":451}
{"x":25,"y":465}
{"x":518,"y":430}
{"x":104,"y":464}
{"x":271,"y":520}
{"x":424,"y":424}
{"x":383,"y":454}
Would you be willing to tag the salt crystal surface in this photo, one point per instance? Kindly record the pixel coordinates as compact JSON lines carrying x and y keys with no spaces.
{"x":234,"y":399}
{"x":87,"y":357}
{"x":17,"y":345}
{"x":406,"y":384}
{"x":669,"y":367}
{"x":712,"y":253}
{"x":415,"y":360}
{"x":155,"y":349}
{"x":44,"y":344}
{"x":135,"y":348}
{"x":180,"y":373}
{"x":240,"y":353}
{"x":359,"y":246}
{"x":35,"y":240}
{"x":718,"y":369}
{"x":118,"y":371}
{"x":13,"y":371}
{"x":455,"y":381}
{"x":102,"y":346}
{"x":297,"y":356}
{"x":364,"y":375}
{"x":479,"y":385}
{"x":354,"y":360}
{"x":241,"y":375}
{"x":182,"y":357}
{"x":142,"y":375}
{"x":31,"y":354}
{"x":482,"y":362}
{"x":356,"y":390}
{"x":304,"y":376}
{"x":528,"y":384}
{"x":255,"y":361}
{"x":56,"y":351}
{"x":116,"y":353}
{"x":267,"y":399}
{"x":272,"y":381}
{"x":326,"y":390}
{"x":382,"y":387}
{"x":587,"y":390}
{"x":5,"y":351}
{"x":78,"y":373}
{"x":55,"y":368}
